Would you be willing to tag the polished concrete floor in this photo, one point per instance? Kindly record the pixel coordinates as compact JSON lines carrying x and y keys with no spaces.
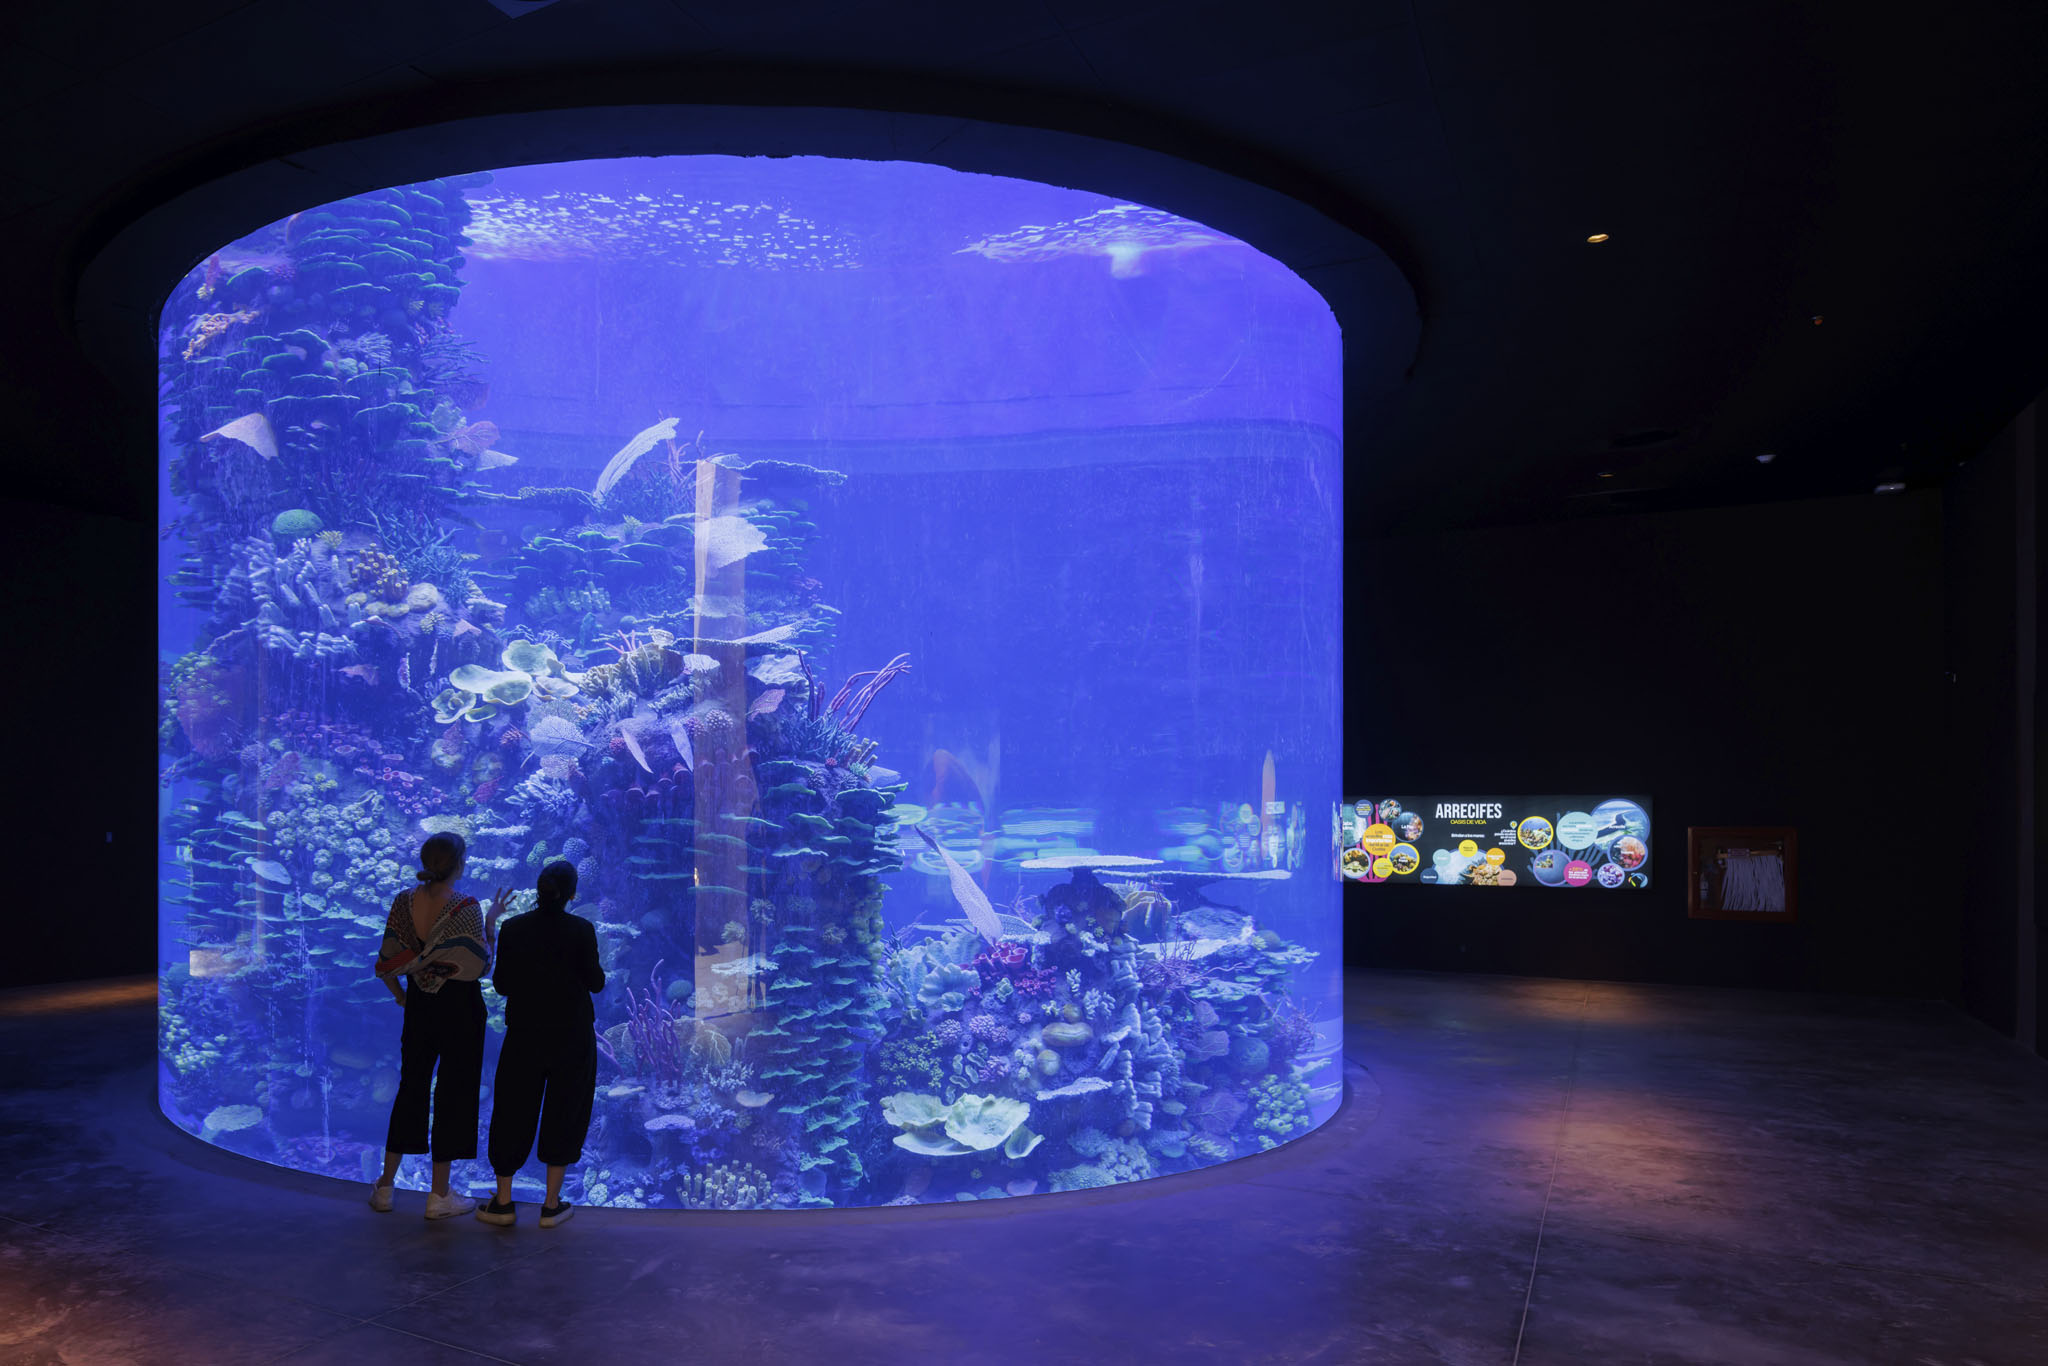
{"x":1524,"y":1171}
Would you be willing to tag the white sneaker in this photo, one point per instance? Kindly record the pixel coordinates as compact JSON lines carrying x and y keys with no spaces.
{"x":550,"y":1215}
{"x":448,"y":1206}
{"x":380,"y":1197}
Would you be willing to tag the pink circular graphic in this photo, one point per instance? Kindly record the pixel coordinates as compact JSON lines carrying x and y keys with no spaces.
{"x":1578,"y":873}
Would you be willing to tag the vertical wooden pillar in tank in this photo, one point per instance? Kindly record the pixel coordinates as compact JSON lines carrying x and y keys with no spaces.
{"x":724,"y":769}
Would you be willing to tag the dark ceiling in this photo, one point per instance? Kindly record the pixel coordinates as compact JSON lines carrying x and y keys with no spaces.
{"x":1758,"y":166}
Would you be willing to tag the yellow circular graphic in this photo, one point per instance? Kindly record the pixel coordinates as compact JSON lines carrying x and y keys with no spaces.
{"x":1467,"y":848}
{"x":1377,"y":839}
{"x":1534,"y":833}
{"x":1382,"y":867}
{"x":1404,"y":859}
{"x":1496,"y":857}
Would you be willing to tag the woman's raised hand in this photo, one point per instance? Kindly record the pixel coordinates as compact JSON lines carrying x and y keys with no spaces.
{"x":500,"y":904}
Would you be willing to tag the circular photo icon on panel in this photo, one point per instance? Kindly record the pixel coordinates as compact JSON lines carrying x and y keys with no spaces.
{"x":1534,"y":833}
{"x":1408,"y":826}
{"x":1613,"y":819}
{"x":1390,"y":810}
{"x":1630,"y":852}
{"x":1610,"y":875}
{"x":1403,"y":858}
{"x":1548,"y":867}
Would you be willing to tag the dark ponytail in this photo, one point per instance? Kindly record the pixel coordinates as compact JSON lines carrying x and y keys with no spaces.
{"x":557,"y":883}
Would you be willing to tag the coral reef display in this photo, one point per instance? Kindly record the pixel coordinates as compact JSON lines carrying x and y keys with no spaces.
{"x":382,"y":640}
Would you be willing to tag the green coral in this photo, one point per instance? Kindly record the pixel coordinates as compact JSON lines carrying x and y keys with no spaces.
{"x":971,"y":1124}
{"x":294,"y":523}
{"x":913,"y":1063}
{"x":1282,"y":1109}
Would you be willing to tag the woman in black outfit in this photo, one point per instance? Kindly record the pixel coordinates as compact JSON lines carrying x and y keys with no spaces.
{"x":547,"y":970}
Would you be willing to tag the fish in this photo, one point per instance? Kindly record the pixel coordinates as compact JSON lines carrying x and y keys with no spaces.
{"x":366,"y":672}
{"x":633,"y":748}
{"x":966,"y":891}
{"x":252,"y":430}
{"x":765,"y":703}
{"x":681,"y":735}
{"x":271,"y":872}
{"x":495,"y":460}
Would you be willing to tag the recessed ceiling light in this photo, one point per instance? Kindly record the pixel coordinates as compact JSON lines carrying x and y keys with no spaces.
{"x":1606,"y":474}
{"x":1893,"y":486}
{"x":1767,"y":457}
{"x":1597,"y":237}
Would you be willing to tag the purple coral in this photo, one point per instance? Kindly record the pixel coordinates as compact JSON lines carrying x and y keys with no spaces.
{"x":657,"y":1052}
{"x":409,"y":792}
{"x":988,"y":1031}
{"x":1042,"y":982}
{"x":1006,"y":959}
{"x":1291,"y":1033}
{"x":1174,"y":970}
{"x":948,"y":1032}
{"x":872,"y":681}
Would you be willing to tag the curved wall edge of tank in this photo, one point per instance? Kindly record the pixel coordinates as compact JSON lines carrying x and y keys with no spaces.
{"x":1339,"y":247}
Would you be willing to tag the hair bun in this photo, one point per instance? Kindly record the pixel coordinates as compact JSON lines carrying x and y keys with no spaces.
{"x":424,"y":876}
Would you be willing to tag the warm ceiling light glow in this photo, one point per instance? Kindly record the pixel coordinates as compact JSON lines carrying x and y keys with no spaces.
{"x":1604,"y":474}
{"x":1597,"y":237}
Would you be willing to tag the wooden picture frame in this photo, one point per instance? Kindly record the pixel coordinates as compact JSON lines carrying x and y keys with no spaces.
{"x":1708,"y":891}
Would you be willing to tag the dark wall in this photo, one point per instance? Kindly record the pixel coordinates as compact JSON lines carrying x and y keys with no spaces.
{"x":1991,"y":507}
{"x":79,"y":601}
{"x":1767,"y":665}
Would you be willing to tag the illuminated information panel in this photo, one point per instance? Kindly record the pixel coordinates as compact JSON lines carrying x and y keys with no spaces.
{"x":1491,"y":841}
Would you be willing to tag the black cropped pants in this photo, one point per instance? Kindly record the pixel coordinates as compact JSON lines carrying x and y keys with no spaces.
{"x":546,"y":1083}
{"x":444,"y":1028}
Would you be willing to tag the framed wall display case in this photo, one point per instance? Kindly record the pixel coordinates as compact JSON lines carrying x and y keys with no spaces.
{"x":1742,"y":872}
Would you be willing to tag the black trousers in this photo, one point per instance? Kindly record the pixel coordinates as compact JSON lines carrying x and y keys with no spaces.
{"x":546,"y":1082}
{"x":444,"y":1027}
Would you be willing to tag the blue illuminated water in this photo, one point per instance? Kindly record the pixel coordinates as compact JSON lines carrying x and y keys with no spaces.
{"x":1076,"y":460}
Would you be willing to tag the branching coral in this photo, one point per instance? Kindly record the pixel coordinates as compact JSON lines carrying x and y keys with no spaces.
{"x":726,"y":1185}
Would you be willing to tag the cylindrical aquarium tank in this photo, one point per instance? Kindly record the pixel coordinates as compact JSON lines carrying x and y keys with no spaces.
{"x":909,"y":598}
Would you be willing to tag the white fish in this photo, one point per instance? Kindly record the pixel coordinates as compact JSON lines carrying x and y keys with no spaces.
{"x":270,"y":872}
{"x":967,"y":892}
{"x":633,"y":748}
{"x":252,"y":430}
{"x":495,"y":460}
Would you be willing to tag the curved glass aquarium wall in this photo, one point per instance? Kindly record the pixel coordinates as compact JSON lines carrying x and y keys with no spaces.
{"x":909,"y":597}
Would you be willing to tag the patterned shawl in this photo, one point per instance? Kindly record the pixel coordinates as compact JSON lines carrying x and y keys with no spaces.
{"x":454,"y":947}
